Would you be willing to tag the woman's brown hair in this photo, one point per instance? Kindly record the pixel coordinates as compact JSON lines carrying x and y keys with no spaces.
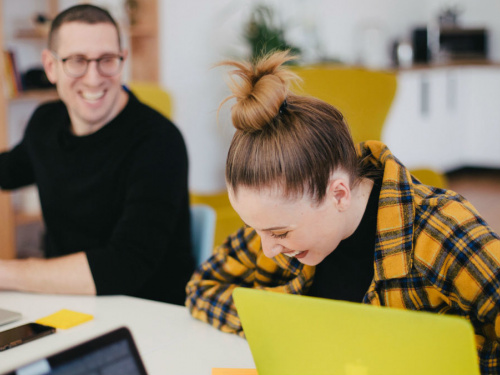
{"x":282,"y":139}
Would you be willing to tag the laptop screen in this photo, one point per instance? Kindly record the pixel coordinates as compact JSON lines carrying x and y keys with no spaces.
{"x":112,"y":353}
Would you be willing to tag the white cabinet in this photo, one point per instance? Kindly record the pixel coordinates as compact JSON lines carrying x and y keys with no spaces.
{"x":446,"y":118}
{"x":481,"y":98}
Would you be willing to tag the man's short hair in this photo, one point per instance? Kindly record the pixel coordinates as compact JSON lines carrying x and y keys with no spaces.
{"x":85,"y":13}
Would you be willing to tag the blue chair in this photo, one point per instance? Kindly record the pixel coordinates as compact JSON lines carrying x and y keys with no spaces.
{"x":202,"y":232}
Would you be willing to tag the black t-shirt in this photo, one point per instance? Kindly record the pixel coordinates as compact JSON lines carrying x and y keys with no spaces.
{"x":119,"y":194}
{"x":346,"y":273}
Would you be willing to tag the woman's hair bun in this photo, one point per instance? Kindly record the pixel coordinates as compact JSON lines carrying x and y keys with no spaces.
{"x":260,"y":91}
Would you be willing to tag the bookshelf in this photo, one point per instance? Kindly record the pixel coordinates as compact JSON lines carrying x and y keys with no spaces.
{"x":143,"y":44}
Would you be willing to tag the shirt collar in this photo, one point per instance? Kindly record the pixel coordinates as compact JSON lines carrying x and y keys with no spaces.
{"x":394,"y":241}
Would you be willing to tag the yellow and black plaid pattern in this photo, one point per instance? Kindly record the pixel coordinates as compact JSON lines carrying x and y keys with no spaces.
{"x":433,"y":252}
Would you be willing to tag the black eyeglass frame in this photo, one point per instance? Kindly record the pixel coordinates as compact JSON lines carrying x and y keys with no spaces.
{"x":88,"y":61}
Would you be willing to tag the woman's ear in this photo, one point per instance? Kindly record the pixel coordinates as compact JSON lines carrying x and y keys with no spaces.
{"x":339,"y":193}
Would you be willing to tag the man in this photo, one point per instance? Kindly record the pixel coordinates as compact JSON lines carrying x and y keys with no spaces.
{"x":111,"y":174}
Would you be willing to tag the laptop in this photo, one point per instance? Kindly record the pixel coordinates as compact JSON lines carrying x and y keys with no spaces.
{"x":112,"y":353}
{"x":299,"y":335}
{"x":7,"y":316}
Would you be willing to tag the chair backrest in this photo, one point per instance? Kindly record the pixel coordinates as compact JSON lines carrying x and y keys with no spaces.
{"x":202,"y":231}
{"x":363,"y":96}
{"x":153,"y":95}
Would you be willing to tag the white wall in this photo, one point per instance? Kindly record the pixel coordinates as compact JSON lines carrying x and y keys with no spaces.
{"x":193,"y":38}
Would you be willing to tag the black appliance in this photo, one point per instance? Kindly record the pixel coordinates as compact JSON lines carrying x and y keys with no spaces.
{"x":421,"y":50}
{"x":454,"y":43}
{"x":461,"y":43}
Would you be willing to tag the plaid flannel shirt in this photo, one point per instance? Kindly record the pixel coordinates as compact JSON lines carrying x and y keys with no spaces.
{"x":433,"y":252}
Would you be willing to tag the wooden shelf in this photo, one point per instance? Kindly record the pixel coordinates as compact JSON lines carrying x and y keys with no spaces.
{"x":7,"y":229}
{"x":36,"y":34}
{"x":23,"y":218}
{"x":40,"y":94}
{"x":144,"y":43}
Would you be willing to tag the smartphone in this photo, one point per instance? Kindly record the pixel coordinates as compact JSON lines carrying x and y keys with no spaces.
{"x":25,"y":333}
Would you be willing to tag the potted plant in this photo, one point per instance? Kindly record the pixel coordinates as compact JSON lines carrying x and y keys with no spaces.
{"x":264,"y":34}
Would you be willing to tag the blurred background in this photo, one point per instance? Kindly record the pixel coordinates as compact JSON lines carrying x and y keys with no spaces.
{"x":445,"y":56}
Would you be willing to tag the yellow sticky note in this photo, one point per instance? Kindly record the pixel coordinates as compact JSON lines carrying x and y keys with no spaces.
{"x":65,"y":319}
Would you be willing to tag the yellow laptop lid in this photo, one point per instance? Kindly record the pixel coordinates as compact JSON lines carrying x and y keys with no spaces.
{"x":299,"y":335}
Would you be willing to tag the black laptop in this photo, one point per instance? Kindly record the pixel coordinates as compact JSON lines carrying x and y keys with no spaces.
{"x":112,"y":353}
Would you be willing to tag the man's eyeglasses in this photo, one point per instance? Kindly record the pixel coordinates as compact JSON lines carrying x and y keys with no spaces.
{"x":77,"y":66}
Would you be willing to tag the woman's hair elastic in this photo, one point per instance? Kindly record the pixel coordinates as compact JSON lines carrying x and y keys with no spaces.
{"x":283,"y":107}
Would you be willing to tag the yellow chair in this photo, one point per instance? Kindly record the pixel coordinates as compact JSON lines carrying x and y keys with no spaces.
{"x":364,"y":97}
{"x":153,"y":95}
{"x":430,"y":177}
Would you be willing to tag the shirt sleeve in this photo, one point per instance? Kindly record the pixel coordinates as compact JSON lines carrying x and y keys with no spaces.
{"x":476,"y":287}
{"x":467,"y":271}
{"x":15,"y":168}
{"x":240,"y":262}
{"x":155,"y":195}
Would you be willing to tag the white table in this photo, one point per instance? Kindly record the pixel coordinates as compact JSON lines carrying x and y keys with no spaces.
{"x":169,"y":339}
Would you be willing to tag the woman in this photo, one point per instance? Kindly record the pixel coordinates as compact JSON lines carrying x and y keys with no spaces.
{"x":330,"y":219}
